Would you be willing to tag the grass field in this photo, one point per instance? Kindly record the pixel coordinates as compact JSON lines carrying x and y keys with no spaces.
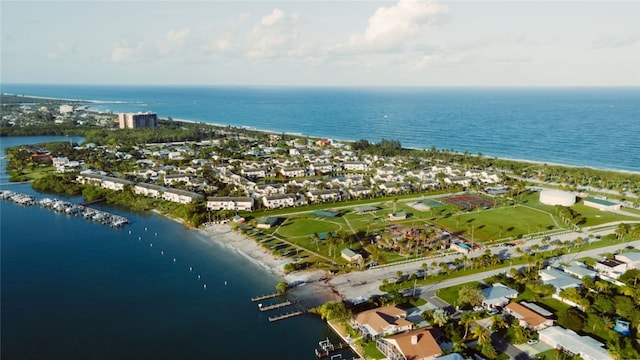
{"x":499,"y":223}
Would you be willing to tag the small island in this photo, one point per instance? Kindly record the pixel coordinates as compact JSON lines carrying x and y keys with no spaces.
{"x":405,"y":248}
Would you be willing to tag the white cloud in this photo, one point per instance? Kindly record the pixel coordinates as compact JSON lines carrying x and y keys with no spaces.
{"x":60,"y":51}
{"x":173,"y":43}
{"x":390,"y":27}
{"x":122,"y":52}
{"x":273,"y":36}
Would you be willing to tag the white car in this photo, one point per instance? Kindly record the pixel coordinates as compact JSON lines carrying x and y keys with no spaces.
{"x":532,"y":341}
{"x":477,"y":308}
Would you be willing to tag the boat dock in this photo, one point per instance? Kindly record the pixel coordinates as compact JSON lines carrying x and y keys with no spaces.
{"x":285,"y":316}
{"x":60,"y":206}
{"x":264,"y":297}
{"x":325,"y":348}
{"x":274,"y":306}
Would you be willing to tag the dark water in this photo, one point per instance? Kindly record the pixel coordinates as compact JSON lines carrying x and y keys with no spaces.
{"x":595,"y":127}
{"x":74,"y":289}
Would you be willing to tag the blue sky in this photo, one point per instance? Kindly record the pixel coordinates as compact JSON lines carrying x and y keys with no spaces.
{"x":322,"y":43}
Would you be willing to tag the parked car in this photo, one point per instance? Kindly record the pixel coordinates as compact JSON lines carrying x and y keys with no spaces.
{"x":532,"y":341}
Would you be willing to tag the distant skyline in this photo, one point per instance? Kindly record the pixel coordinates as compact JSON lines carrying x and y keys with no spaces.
{"x":321,"y":43}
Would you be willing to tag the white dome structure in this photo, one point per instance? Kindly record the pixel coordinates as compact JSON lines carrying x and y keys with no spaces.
{"x":557,"y":197}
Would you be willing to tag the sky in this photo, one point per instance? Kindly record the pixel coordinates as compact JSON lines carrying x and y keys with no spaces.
{"x":321,"y":43}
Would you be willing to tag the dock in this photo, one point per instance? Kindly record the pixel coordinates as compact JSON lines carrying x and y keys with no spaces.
{"x":284,"y":316}
{"x":264,"y":297}
{"x":326,"y":348}
{"x":274,"y":306}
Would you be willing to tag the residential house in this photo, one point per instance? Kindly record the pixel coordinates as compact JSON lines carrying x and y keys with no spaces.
{"x":527,"y":317}
{"x":279,"y":201}
{"x":383,"y":321}
{"x":355,"y":166}
{"x":180,"y":196}
{"x":149,"y":190}
{"x":176,"y":178}
{"x":498,"y":295}
{"x":612,"y":268}
{"x":293,"y":172}
{"x":359,"y":191}
{"x":324,"y":195}
{"x":632,"y":259}
{"x":559,"y":279}
{"x":254,"y":172}
{"x":571,"y":343}
{"x":417,"y":344}
{"x":103,"y":181}
{"x":229,"y":203}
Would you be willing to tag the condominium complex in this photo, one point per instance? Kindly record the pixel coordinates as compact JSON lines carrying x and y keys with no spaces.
{"x":139,"y":120}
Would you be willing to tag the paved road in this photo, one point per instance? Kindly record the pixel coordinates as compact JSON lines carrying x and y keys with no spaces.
{"x":366,"y":283}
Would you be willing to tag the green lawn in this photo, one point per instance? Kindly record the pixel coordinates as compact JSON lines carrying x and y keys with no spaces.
{"x":307,"y":226}
{"x":499,"y":223}
{"x":450,"y":294}
{"x":372,"y":352}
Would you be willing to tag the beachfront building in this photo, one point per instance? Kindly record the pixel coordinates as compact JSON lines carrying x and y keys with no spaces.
{"x":180,"y":196}
{"x":573,"y":344}
{"x":601,"y":204}
{"x":529,"y":315}
{"x":230,"y":203}
{"x":106,"y":182}
{"x":415,"y":345}
{"x":149,"y":190}
{"x":139,"y":120}
{"x":383,"y":321}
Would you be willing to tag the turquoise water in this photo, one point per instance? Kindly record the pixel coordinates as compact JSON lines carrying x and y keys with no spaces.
{"x":595,"y":127}
{"x":74,"y":289}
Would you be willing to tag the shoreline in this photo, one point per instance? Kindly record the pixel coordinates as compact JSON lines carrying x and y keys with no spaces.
{"x":268,"y":131}
{"x":309,"y":290}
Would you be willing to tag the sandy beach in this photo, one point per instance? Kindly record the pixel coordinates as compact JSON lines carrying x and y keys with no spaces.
{"x":310,"y":290}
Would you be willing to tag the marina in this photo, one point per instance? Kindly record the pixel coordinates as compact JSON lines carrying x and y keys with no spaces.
{"x":61,"y":206}
{"x":326,"y":348}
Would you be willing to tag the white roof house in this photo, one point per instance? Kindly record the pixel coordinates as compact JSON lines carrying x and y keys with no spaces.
{"x":568,"y":341}
{"x":632,"y":259}
{"x":498,"y":295}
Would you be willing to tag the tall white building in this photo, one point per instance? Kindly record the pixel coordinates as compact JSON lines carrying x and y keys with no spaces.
{"x":138,"y":120}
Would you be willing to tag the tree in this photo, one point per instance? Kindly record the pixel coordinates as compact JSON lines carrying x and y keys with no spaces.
{"x":466,"y":320}
{"x":499,"y":322}
{"x":481,"y":334}
{"x":470,"y":295}
{"x":488,"y":351}
{"x":282,"y":287}
{"x":439,"y":317}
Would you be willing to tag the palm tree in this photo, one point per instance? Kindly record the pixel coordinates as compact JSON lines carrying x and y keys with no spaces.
{"x":499,"y":322}
{"x":481,"y":334}
{"x":466,"y":319}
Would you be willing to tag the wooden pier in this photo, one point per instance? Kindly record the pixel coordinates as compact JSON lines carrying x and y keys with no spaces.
{"x":284,"y":316}
{"x":274,"y":306}
{"x":264,"y":297}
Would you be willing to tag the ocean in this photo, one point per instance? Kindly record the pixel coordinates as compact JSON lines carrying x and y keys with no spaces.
{"x":75,"y":289}
{"x":594,"y":127}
